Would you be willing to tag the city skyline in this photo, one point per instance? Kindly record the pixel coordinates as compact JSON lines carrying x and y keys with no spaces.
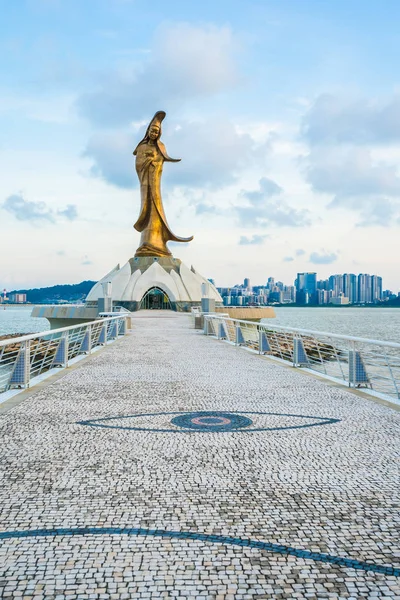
{"x":337,"y":289}
{"x":279,"y":279}
{"x":258,"y":284}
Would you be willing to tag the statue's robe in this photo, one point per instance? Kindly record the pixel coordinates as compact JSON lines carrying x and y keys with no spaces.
{"x":152,"y":222}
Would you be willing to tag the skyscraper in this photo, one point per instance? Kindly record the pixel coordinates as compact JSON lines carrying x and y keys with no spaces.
{"x":364,"y":288}
{"x":376,"y":288}
{"x":323,"y":284}
{"x":336,"y":285}
{"x":350,"y":287}
{"x":306,"y":286}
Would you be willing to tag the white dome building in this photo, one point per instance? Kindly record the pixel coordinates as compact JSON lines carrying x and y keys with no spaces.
{"x":153,"y":282}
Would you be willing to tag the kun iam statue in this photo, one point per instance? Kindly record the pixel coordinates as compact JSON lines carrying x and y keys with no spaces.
{"x":152,"y":223}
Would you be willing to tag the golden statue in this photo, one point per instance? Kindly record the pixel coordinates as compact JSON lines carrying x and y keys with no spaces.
{"x":152,"y":223}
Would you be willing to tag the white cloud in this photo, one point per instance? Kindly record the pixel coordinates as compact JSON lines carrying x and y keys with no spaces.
{"x":255,"y":240}
{"x":357,"y":182}
{"x":213,"y":150}
{"x":266,"y":207}
{"x":70,"y":212}
{"x":186,"y":61}
{"x":46,"y":107}
{"x":36,"y":212}
{"x":323,"y":257}
{"x":111,"y":153}
{"x":333,"y":120}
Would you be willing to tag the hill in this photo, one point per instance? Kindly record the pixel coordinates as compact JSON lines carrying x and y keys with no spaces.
{"x":55,"y":293}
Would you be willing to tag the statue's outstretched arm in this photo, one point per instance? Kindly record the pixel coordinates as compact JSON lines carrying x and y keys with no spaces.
{"x":165,"y":155}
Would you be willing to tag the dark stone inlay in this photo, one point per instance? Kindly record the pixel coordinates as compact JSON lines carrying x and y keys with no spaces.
{"x":339,"y":561}
{"x":204,"y":428}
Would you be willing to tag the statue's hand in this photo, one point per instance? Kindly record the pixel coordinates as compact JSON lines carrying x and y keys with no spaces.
{"x":146,"y":163}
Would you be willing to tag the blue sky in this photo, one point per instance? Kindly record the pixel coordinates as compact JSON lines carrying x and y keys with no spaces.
{"x":286,"y":115}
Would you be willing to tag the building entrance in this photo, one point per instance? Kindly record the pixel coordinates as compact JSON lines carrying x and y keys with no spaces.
{"x":155,"y":299}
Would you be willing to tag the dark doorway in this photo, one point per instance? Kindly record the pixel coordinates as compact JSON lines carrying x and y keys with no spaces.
{"x":155,"y":299}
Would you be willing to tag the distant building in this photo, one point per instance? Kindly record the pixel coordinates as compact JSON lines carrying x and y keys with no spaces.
{"x":376,"y":288}
{"x":275,"y":297}
{"x":323,"y":296}
{"x":271,"y":283}
{"x":302,"y":297}
{"x":306,"y":287}
{"x":364,"y":288}
{"x":323,"y":284}
{"x":341,"y":299}
{"x":17,"y":298}
{"x":388,"y":295}
{"x":290,"y":293}
{"x":336,"y":284}
{"x":350,"y":288}
{"x":246,"y":284}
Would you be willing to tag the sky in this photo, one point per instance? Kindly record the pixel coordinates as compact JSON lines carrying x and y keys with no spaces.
{"x":285,"y":113}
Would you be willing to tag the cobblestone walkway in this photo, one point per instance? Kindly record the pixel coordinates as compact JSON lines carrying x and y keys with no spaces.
{"x":173,"y":465}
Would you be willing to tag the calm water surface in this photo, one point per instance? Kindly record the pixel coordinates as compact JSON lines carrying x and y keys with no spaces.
{"x":373,"y":323}
{"x":19,"y":320}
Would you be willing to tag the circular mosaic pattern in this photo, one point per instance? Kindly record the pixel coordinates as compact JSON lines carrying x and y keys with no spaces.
{"x":211,"y":421}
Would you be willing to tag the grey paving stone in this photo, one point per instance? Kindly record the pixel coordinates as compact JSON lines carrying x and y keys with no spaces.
{"x":325,"y":489}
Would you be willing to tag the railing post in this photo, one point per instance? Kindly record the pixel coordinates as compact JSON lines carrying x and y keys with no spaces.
{"x":222,"y":333}
{"x":263,"y":343}
{"x":207,"y":326}
{"x":61,"y":356}
{"x":357,"y":372}
{"x":113,"y":330}
{"x":86,"y":345}
{"x":103,"y":335}
{"x":22,"y":369}
{"x":123,"y":327}
{"x":239,"y":339}
{"x":300,"y":357}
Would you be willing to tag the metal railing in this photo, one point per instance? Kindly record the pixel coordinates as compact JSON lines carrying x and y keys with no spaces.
{"x":28,"y":356}
{"x":357,"y":362}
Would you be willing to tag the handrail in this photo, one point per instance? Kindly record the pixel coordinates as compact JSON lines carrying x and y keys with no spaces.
{"x":355,"y":361}
{"x":309,"y":331}
{"x":26,"y":357}
{"x":31,"y":336}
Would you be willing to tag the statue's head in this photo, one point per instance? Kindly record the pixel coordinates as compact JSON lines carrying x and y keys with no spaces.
{"x":154,"y":131}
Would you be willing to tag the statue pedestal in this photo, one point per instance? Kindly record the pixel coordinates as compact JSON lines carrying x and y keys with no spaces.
{"x":130,"y":284}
